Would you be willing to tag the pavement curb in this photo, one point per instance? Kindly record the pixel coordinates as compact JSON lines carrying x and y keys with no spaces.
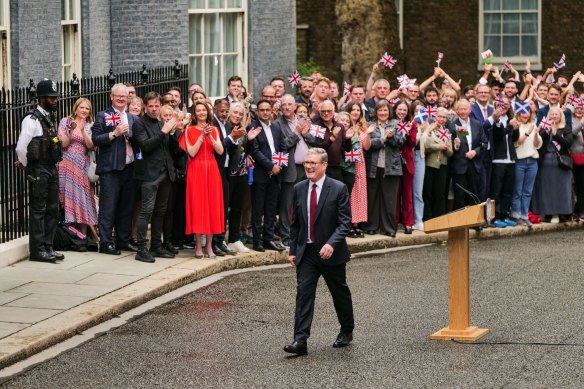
{"x":60,"y":327}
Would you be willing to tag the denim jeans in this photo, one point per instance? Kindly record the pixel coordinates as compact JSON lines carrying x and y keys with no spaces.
{"x":525,"y":172}
{"x":420,"y":168}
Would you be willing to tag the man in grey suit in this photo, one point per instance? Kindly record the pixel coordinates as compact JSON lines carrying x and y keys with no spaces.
{"x":321,"y":219}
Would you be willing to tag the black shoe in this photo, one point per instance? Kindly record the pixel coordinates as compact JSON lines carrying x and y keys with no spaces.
{"x":298,"y":348}
{"x":218,"y":252}
{"x":43,"y":256}
{"x":188,"y":245}
{"x":223,"y":247}
{"x":144,"y":255}
{"x":109,"y":248}
{"x":161,"y":252}
{"x":343,"y":340}
{"x":353,"y":233}
{"x":259,"y":247}
{"x":408,"y":230}
{"x":170,"y":248}
{"x":127,"y":247}
{"x":390,"y":234}
{"x":55,"y":254}
{"x":371,"y":232}
{"x":360,"y":233}
{"x":271,"y":245}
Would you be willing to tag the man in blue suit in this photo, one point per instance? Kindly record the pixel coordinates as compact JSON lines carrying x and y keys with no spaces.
{"x":469,"y":144}
{"x":111,"y":133}
{"x":482,"y":112}
{"x":321,"y":220}
{"x":553,"y":97}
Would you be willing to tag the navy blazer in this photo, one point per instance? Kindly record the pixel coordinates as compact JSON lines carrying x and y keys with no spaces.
{"x":228,"y":145}
{"x":332,"y":223}
{"x":459,"y":163}
{"x":543,"y":112}
{"x":111,"y":155}
{"x":261,"y":152}
{"x":476,"y":113}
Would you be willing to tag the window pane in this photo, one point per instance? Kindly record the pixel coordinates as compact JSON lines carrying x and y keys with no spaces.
{"x":212,"y":33}
{"x":230,"y":41}
{"x":529,"y":45}
{"x":529,"y":23}
{"x":492,"y":4}
{"x":511,"y":24}
{"x":216,"y":4}
{"x":195,"y":33}
{"x":72,"y":9}
{"x":195,"y":70}
{"x":528,"y":4}
{"x":63,"y":9}
{"x":493,"y":43}
{"x":492,"y":24}
{"x":229,"y":66}
{"x":66,"y":45}
{"x":200,"y":4}
{"x":213,"y":75}
{"x":510,"y":46}
{"x":1,"y":12}
{"x":233,"y":4}
{"x":510,"y":4}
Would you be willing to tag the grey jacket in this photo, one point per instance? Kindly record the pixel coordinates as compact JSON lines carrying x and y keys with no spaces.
{"x":393,"y":158}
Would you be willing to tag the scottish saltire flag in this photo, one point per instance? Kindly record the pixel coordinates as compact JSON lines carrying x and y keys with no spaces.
{"x":439,"y":59}
{"x":403,"y":128}
{"x":294,"y":78}
{"x":522,"y":107}
{"x":561,"y":63}
{"x":487,"y":56}
{"x":443,"y":134}
{"x":546,"y":123}
{"x":280,"y":159}
{"x":352,"y":156}
{"x":317,"y":131}
{"x":112,"y":119}
{"x":388,"y":61}
{"x":346,"y":88}
{"x":421,"y":116}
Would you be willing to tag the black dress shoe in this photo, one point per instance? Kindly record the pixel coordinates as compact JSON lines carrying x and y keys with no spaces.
{"x":109,"y":248}
{"x":343,"y":340}
{"x":55,"y":254}
{"x":298,"y":348}
{"x":144,"y":255}
{"x":408,"y":230}
{"x":371,"y":232}
{"x":259,"y":247}
{"x":170,"y":247}
{"x":161,"y":252}
{"x":127,"y":247}
{"x":188,"y":245}
{"x":43,"y":256}
{"x":223,"y":247}
{"x":390,"y":234}
{"x":271,"y":245}
{"x":218,"y":252}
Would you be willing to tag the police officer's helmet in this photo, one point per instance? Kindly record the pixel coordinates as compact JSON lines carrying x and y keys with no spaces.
{"x":47,"y":88}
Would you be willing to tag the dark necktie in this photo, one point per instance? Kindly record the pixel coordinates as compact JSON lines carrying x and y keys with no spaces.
{"x":312,"y":211}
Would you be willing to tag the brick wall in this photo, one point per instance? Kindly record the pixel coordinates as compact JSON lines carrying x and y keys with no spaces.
{"x":95,"y":18}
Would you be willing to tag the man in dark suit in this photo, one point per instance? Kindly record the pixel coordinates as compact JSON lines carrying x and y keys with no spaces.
{"x":155,"y":144}
{"x":466,"y":164}
{"x":321,"y":219}
{"x":111,"y":134}
{"x":553,"y":97}
{"x":482,"y":112}
{"x":266,"y":179}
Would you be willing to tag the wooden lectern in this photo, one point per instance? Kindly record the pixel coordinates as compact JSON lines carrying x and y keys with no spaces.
{"x":457,"y":224}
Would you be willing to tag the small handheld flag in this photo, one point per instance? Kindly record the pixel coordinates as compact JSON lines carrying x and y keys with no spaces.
{"x":443,"y":134}
{"x":561,"y":63}
{"x":522,"y":107}
{"x":352,"y":156}
{"x":439,"y":59}
{"x":388,"y":61}
{"x":294,"y":78}
{"x":506,"y":66}
{"x":317,"y":131}
{"x":112,"y":119}
{"x":280,"y":158}
{"x":431,"y":111}
{"x":461,"y":131}
{"x":346,"y":88}
{"x":421,"y":116}
{"x":403,"y":128}
{"x":487,"y":56}
{"x":546,"y":123}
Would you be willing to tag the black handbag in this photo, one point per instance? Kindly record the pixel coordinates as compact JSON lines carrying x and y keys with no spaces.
{"x":564,"y":161}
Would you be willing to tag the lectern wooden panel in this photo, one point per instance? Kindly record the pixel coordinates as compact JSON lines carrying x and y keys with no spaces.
{"x":457,"y":224}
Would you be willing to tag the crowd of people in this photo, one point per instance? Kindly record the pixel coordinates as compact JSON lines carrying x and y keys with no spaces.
{"x":219,"y":176}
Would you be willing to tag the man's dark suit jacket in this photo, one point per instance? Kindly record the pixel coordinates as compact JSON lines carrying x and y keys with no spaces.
{"x":111,"y":156}
{"x":332,"y":224}
{"x":156,"y":148}
{"x":476,"y":112}
{"x":459,"y":163}
{"x":261,"y":152}
{"x":228,"y":145}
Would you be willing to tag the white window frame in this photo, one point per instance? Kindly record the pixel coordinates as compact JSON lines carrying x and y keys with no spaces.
{"x":241,"y":51}
{"x":518,"y":61}
{"x":399,"y":7}
{"x":71,"y":22}
{"x":5,"y":64}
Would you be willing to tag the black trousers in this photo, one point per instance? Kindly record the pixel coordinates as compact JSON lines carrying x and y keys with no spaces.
{"x":43,"y":206}
{"x":434,"y":191}
{"x":502,"y":186}
{"x":470,"y":181}
{"x":349,"y":180}
{"x":176,"y":231}
{"x":219,"y":238}
{"x":486,"y":174}
{"x":237,"y":187}
{"x":264,"y":201}
{"x":116,"y":199}
{"x":286,"y":189}
{"x":154,"y":204}
{"x":308,"y":271}
{"x":382,"y":202}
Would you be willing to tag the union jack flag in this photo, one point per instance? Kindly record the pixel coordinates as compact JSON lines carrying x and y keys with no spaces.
{"x":405,"y":81}
{"x":443,"y":134}
{"x":546,"y":123}
{"x":421,"y":116}
{"x":574,"y":101}
{"x":353,"y":156}
{"x":317,"y":131}
{"x":561,"y":63}
{"x":439,"y":59}
{"x":499,"y":102}
{"x":431,"y":111}
{"x":280,"y":159}
{"x":556,"y":145}
{"x":112,"y":119}
{"x":581,"y":104}
{"x":393,"y":101}
{"x":294,"y":78}
{"x":388,"y":61}
{"x":346,"y":88}
{"x":403,"y":128}
{"x":550,"y":79}
{"x":506,"y":66}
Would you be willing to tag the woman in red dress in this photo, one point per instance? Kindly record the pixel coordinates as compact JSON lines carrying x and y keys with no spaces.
{"x":204,"y":199}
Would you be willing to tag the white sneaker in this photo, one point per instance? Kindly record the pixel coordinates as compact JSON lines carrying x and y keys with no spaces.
{"x":238,"y":246}
{"x":419,"y":226}
{"x":555,"y":219}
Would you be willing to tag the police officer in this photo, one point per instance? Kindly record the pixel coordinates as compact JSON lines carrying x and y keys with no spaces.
{"x":38,"y":150}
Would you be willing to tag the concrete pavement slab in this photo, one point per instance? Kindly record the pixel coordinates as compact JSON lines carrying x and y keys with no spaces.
{"x":64,"y":289}
{"x":48,"y":301}
{"x":25,"y":315}
{"x":112,"y":280}
{"x":6,"y":297}
{"x":42,"y":275}
{"x":10,"y":328}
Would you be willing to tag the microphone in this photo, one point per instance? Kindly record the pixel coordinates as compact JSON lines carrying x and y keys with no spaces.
{"x":473,"y":196}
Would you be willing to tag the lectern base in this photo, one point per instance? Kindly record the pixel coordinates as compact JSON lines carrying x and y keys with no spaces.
{"x":469,"y":333}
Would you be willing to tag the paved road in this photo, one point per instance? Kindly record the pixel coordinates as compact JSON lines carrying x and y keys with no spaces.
{"x":526,"y":290}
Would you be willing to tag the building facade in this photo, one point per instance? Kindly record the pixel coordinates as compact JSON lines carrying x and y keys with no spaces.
{"x":255,"y":39}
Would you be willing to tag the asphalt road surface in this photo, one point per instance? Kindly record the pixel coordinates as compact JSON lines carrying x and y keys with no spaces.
{"x":526,"y":290}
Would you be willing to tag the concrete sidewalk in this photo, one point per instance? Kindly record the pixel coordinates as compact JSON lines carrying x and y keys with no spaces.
{"x":42,"y":304}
